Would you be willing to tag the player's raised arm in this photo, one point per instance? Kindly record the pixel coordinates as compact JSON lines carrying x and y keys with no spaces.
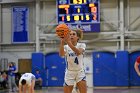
{"x":61,"y":31}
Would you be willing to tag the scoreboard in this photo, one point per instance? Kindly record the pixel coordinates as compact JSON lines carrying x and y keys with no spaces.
{"x":84,"y":14}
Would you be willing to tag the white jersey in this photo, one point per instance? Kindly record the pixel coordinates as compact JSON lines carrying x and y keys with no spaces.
{"x":74,"y":62}
{"x":28,"y":77}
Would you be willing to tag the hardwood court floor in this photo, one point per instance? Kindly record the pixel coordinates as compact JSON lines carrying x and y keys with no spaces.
{"x":90,"y":90}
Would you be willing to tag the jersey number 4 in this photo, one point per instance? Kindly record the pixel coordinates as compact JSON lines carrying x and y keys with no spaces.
{"x":76,"y":61}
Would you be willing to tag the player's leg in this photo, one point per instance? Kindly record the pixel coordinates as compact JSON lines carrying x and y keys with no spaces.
{"x":68,"y":89}
{"x":10,"y":82}
{"x":82,"y":86}
{"x":81,"y":82}
{"x":15,"y":88}
{"x":69,"y":81}
{"x":40,"y":82}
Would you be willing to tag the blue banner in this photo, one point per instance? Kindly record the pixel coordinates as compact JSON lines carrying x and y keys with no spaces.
{"x":20,"y":23}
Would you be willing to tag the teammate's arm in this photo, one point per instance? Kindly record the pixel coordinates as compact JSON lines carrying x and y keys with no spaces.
{"x":136,"y":66}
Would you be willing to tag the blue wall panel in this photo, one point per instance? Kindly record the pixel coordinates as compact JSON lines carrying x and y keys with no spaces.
{"x":122,"y":76}
{"x":134,"y":78}
{"x":104,"y":67}
{"x":37,"y":64}
{"x":55,"y":68}
{"x":37,"y":61}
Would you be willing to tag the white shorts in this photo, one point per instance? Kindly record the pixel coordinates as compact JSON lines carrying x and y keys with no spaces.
{"x":72,"y":77}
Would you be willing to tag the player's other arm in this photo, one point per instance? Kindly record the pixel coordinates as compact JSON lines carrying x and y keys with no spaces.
{"x":20,"y":88}
{"x":29,"y":89}
{"x":78,"y":51}
{"x":61,"y":49}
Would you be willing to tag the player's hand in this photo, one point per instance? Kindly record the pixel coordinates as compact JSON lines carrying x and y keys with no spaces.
{"x":67,"y":38}
{"x":62,"y":40}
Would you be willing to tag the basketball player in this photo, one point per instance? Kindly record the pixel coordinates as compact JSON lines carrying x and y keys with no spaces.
{"x":136,"y":66}
{"x":74,"y":53}
{"x":27,"y":83}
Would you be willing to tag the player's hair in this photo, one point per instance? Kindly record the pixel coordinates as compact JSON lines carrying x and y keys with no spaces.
{"x":23,"y":82}
{"x":79,"y":33}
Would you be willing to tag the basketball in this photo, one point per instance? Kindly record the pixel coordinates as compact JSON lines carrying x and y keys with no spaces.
{"x":62,"y":30}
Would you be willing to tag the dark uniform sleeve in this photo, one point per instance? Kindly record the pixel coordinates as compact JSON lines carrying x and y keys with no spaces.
{"x":138,"y":60}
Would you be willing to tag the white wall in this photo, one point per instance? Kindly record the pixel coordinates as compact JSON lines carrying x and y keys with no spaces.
{"x":109,"y":13}
{"x":15,"y":56}
{"x":6,"y":24}
{"x":134,"y":14}
{"x":88,"y":63}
